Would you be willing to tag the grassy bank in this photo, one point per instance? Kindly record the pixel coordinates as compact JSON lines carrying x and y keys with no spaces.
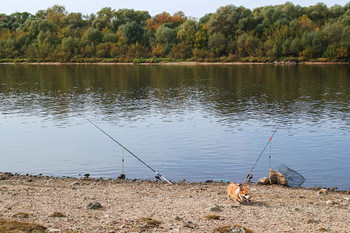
{"x":222,"y":60}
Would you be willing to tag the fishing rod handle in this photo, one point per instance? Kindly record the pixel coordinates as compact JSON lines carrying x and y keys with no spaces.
{"x":166,"y":180}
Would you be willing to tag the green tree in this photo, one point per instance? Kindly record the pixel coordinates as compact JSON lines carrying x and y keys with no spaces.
{"x":92,"y":36}
{"x":332,"y":33}
{"x":70,"y":46}
{"x":312,"y":44}
{"x":103,"y":50}
{"x":187,"y":33}
{"x":124,"y":16}
{"x":181,"y":51}
{"x":74,"y":20}
{"x":248,"y":45}
{"x":295,"y":47}
{"x":47,"y":37}
{"x":336,"y":11}
{"x":217,"y":43}
{"x":318,"y":13}
{"x":165,"y":35}
{"x":226,"y":19}
{"x":205,"y":18}
{"x":110,"y":37}
{"x":133,"y":32}
{"x":273,"y":31}
{"x":14,"y":20}
{"x":55,"y":14}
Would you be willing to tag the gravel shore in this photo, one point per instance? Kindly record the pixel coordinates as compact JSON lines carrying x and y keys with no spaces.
{"x":96,"y":205}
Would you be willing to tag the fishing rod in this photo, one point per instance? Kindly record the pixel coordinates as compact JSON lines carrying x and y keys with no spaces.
{"x":268,"y":142}
{"x":158,"y":176}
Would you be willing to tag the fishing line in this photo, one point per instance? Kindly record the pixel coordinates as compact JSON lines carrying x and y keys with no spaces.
{"x":158,"y":176}
{"x":268,"y":142}
{"x":123,"y":162}
{"x":270,"y":153}
{"x":122,"y":175}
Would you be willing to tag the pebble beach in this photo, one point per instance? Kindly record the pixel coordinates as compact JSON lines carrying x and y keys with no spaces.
{"x":52,"y":204}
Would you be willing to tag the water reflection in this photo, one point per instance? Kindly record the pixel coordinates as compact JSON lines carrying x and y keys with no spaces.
{"x":233,"y":93}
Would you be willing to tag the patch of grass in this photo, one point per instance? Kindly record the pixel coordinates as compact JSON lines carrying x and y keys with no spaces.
{"x":212,"y":217}
{"x":312,"y":221}
{"x":224,"y":229}
{"x":323,"y":229}
{"x":150,"y":223}
{"x":21,"y":215}
{"x":57,"y":215}
{"x":17,"y":227}
{"x":228,"y":229}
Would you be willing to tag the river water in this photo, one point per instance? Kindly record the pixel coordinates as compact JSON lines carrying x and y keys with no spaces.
{"x":204,"y":122}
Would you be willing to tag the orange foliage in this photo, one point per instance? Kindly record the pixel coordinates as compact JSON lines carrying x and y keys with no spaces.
{"x":5,"y":33}
{"x":157,"y":51}
{"x":158,"y":20}
{"x":55,"y":17}
{"x":306,"y":23}
{"x":342,"y":52}
{"x":201,"y":37}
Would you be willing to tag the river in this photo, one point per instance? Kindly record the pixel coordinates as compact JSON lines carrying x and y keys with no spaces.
{"x":201,"y":122}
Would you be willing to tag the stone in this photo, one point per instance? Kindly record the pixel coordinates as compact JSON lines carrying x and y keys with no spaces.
{"x":263,"y":181}
{"x":74,"y":184}
{"x":322,"y":192}
{"x":57,"y":214}
{"x":121,"y":177}
{"x":94,"y":206}
{"x":3,"y":176}
{"x":277,"y":178}
{"x":21,"y":215}
{"x":233,"y":229}
{"x":313,"y":221}
{"x":216,"y":209}
{"x":53,"y":230}
{"x":238,"y":230}
{"x":330,"y":202}
{"x":189,"y":224}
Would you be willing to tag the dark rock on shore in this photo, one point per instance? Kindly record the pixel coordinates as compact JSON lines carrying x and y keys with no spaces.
{"x":277,"y":178}
{"x":94,"y":206}
{"x":263,"y":181}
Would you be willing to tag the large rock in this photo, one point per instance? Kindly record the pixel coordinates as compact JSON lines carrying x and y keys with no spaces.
{"x":5,"y":175}
{"x":94,"y":206}
{"x":263,"y":181}
{"x":277,"y":178}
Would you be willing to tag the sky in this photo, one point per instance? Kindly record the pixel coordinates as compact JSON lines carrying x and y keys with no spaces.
{"x":193,"y":8}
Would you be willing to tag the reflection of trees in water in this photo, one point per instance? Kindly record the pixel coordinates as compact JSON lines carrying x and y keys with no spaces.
{"x":232,"y":93}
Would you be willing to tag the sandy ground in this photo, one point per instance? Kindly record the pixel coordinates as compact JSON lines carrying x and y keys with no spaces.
{"x":150,"y":206}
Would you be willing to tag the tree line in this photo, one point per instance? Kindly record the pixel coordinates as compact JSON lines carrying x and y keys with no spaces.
{"x":269,"y":33}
